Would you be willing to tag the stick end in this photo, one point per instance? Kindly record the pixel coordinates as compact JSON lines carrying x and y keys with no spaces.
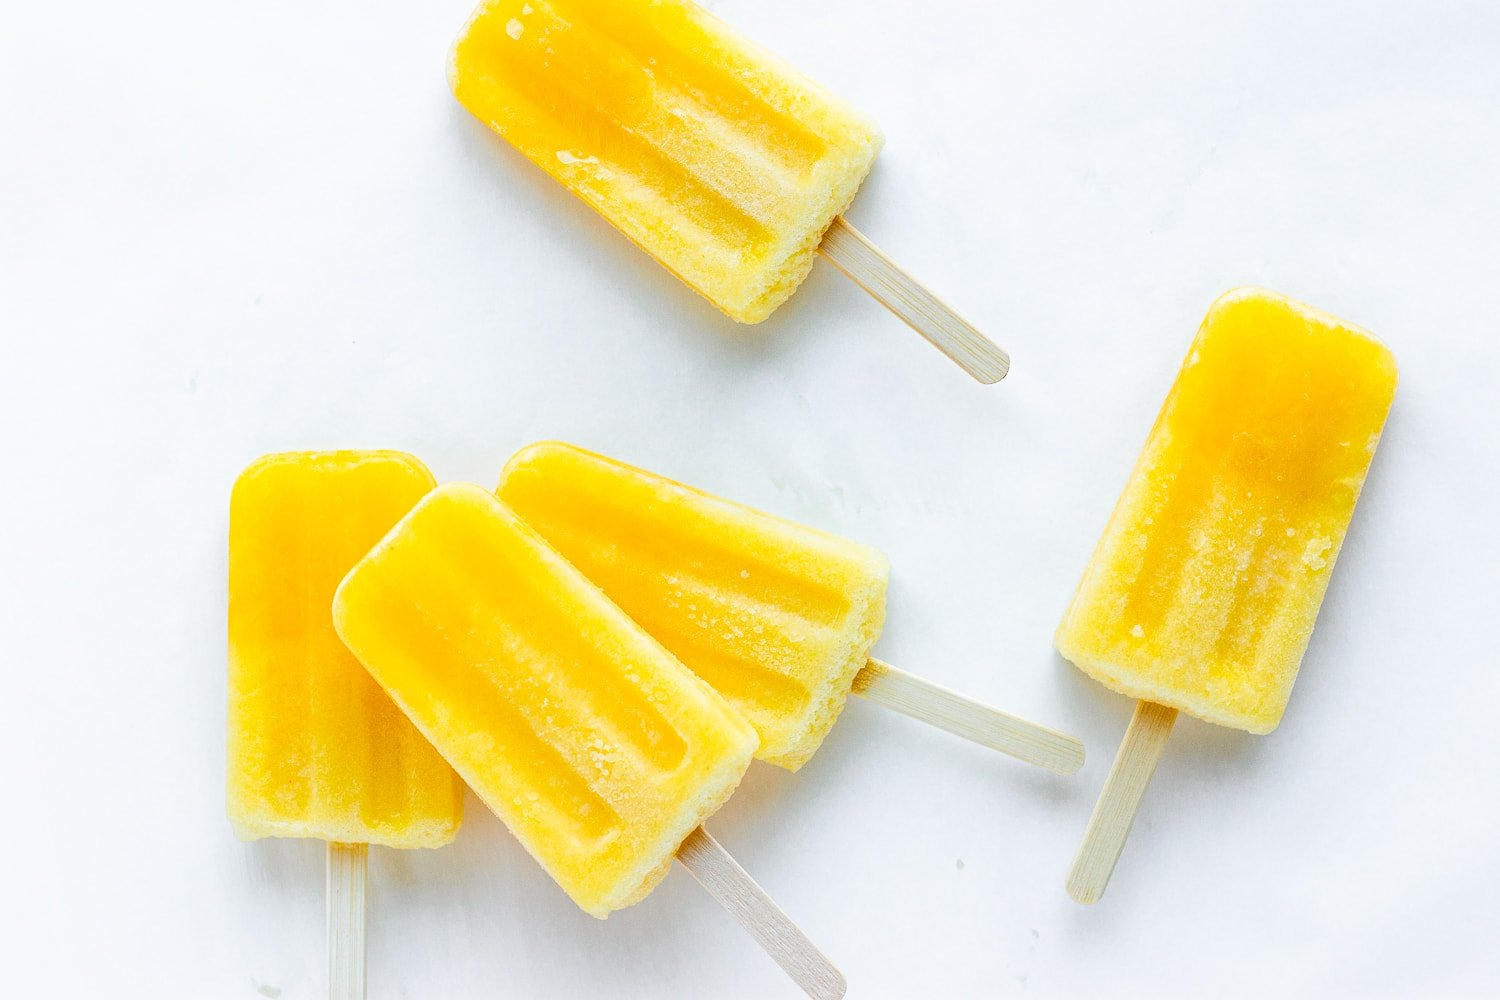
{"x":830,"y":986}
{"x":989,"y":368}
{"x":1083,"y":890}
{"x":1070,"y":758}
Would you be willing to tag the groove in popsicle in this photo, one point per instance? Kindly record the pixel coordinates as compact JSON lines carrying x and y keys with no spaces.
{"x":723,"y":83}
{"x":316,"y":747}
{"x":739,"y":634}
{"x":313,"y":773}
{"x":569,"y":85}
{"x":569,"y":680}
{"x":507,"y":741}
{"x":755,"y":688}
{"x":640,"y":579}
{"x":712,"y":655}
{"x":629,"y":170}
{"x":647,"y":528}
{"x":1173,"y":601}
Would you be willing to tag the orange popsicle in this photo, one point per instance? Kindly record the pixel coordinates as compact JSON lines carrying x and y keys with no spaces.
{"x":1203,"y":591}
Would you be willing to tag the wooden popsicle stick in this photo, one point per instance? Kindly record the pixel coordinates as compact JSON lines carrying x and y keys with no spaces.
{"x":748,"y":903}
{"x":1120,"y":799}
{"x":849,"y":251}
{"x":937,"y":706}
{"x":346,"y":920}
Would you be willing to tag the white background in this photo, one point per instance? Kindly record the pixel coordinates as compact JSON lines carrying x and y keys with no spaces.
{"x":227,"y":229}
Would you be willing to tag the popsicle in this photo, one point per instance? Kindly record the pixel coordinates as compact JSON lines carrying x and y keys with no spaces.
{"x":316,"y":749}
{"x":779,"y":618}
{"x":724,"y":163}
{"x":599,"y":751}
{"x":1203,"y":591}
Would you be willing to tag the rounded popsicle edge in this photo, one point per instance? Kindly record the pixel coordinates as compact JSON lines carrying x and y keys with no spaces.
{"x":847,"y":249}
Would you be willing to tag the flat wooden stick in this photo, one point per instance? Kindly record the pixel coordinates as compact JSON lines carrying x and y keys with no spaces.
{"x":737,"y":892}
{"x":1118,"y":803}
{"x":937,"y":706}
{"x":849,"y":251}
{"x":346,"y":920}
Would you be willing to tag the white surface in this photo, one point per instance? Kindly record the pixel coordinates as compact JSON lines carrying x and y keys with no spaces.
{"x":229,"y":229}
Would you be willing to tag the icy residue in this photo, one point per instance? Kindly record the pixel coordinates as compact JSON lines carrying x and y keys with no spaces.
{"x":1313,"y":554}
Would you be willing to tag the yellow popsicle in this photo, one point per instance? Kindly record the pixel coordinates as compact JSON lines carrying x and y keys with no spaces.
{"x":1203,"y":590}
{"x":718,"y":159}
{"x":316,"y":749}
{"x":596,"y":747}
{"x":777,"y":617}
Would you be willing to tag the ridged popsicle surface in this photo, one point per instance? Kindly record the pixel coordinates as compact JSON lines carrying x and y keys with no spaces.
{"x":1204,"y":589}
{"x":316,"y":748}
{"x":596,"y":747}
{"x":776,"y":616}
{"x":717,"y":158}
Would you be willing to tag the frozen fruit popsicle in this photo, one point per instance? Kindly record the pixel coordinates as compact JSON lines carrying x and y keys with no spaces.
{"x":599,"y":751}
{"x":778,"y":617}
{"x":720,"y":160}
{"x":316,"y":749}
{"x":1203,"y":591}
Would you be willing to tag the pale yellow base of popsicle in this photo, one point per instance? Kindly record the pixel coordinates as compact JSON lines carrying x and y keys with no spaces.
{"x":829,"y":698}
{"x":353,"y":829}
{"x":1201,"y":706}
{"x":693,"y":815}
